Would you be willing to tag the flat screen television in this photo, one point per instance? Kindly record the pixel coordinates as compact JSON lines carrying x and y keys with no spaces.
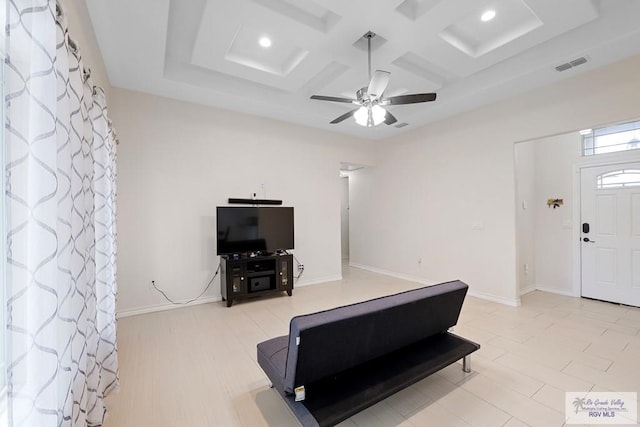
{"x":253,"y":229}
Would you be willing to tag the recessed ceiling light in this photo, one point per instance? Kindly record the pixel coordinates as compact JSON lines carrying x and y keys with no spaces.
{"x":265,"y":41}
{"x":488,"y":15}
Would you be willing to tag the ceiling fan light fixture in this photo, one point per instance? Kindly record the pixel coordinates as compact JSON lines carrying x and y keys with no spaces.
{"x":370,"y":116}
{"x":378,"y":113}
{"x":488,"y":15}
{"x":362,"y":116}
{"x":371,"y":98}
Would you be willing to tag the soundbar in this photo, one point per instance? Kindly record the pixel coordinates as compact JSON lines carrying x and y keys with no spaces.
{"x":255,"y":202}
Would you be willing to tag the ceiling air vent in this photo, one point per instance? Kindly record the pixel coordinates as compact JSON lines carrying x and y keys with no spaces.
{"x":571,"y":64}
{"x":578,"y":61}
{"x":401,"y":125}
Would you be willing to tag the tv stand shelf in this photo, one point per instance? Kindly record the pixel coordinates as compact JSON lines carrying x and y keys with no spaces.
{"x":249,"y":276}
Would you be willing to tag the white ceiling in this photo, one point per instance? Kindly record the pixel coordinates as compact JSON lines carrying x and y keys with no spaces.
{"x":207,"y":52}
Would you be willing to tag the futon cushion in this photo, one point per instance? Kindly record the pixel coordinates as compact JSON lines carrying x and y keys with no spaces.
{"x":272,"y":357}
{"x":332,"y":341}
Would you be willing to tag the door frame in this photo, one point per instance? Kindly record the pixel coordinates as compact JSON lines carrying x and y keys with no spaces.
{"x":589,"y":162}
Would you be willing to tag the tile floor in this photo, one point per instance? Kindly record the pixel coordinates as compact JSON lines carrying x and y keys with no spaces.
{"x":196,"y":366}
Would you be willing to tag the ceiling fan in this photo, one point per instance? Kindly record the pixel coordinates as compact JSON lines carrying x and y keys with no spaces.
{"x":370,"y":99}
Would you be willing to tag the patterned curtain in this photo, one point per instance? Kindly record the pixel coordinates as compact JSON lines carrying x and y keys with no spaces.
{"x":60,"y":204}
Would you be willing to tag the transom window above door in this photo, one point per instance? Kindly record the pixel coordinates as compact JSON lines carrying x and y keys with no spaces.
{"x":611,"y":139}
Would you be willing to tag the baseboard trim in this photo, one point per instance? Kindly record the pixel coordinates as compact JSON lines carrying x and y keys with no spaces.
{"x":169,"y":306}
{"x":163,"y":307}
{"x":555,"y":291}
{"x":527,"y":290}
{"x":512,"y":302}
{"x":393,"y":274}
{"x":489,"y":297}
{"x":326,"y":279}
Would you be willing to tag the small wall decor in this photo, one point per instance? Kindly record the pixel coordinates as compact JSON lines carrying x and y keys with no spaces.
{"x":556,"y":203}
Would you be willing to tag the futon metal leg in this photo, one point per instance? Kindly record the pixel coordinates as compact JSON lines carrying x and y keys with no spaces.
{"x":466,"y":364}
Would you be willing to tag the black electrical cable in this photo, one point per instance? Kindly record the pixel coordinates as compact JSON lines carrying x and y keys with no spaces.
{"x":153,"y":283}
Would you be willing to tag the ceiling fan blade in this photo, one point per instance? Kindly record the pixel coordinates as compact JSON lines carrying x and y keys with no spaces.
{"x":333,"y":99}
{"x":343,"y":117}
{"x":389,"y":118}
{"x":378,"y":84}
{"x":410,"y":99}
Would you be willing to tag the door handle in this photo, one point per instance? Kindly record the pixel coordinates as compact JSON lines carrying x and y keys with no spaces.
{"x":587,"y":240}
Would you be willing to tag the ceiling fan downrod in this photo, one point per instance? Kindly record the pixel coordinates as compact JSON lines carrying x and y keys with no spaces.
{"x":369,"y":35}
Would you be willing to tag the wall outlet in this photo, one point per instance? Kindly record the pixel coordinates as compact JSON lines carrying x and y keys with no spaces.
{"x":300,"y":267}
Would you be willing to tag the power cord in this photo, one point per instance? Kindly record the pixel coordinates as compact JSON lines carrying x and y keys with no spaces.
{"x":300,"y":268}
{"x":153,"y":283}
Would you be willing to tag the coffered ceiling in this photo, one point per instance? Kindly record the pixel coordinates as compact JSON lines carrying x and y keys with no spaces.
{"x":208,"y":51}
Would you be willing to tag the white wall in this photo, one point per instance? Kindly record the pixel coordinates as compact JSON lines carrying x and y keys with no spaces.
{"x":344,"y":217}
{"x":434,"y":185}
{"x":525,"y":165}
{"x":386,"y":209}
{"x":545,"y":235}
{"x":178,"y":161}
{"x":554,"y":159}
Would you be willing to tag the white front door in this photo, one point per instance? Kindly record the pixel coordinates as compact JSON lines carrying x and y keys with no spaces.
{"x":610,"y":233}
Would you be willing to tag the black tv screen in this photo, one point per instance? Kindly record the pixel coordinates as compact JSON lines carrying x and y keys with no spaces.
{"x":254,"y":229}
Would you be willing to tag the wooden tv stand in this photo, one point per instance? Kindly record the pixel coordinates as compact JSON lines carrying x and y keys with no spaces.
{"x":249,"y":276}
